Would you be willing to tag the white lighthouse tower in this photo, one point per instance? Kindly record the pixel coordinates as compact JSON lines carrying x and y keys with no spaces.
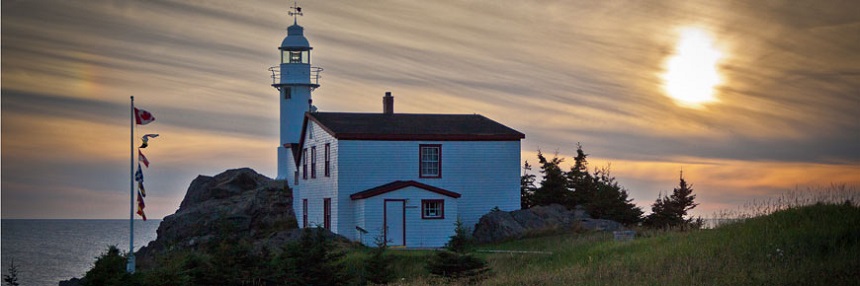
{"x":295,"y":79}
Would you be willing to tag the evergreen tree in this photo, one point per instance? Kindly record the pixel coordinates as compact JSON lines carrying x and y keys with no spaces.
{"x":456,"y":260}
{"x":312,"y":260}
{"x":377,"y":268}
{"x":579,"y":181}
{"x":109,"y":269}
{"x":670,"y":211}
{"x":527,"y":187}
{"x":610,"y":200}
{"x":11,"y":278}
{"x":553,"y":189}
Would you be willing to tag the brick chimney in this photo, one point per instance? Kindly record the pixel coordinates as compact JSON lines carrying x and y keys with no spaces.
{"x":388,"y":103}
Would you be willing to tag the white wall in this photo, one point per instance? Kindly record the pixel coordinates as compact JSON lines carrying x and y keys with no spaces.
{"x":316,"y":189}
{"x":419,"y":232}
{"x":485,"y":173}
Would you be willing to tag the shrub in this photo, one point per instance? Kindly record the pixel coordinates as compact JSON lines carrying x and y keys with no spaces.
{"x":11,"y":279}
{"x":109,"y":269}
{"x":377,"y":267}
{"x":313,"y":260}
{"x":456,"y":260}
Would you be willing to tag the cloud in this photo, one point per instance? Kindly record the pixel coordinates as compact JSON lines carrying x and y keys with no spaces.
{"x":561,"y":72}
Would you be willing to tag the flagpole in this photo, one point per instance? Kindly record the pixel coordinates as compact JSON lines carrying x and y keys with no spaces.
{"x":130,"y":266}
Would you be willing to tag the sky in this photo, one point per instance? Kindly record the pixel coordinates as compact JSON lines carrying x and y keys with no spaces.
{"x":783,"y":117}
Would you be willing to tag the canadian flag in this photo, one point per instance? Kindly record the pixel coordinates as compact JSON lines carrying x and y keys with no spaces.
{"x":143,"y":117}
{"x":142,"y":158}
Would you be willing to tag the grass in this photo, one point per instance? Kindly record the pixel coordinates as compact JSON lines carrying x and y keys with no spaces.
{"x":811,"y":245}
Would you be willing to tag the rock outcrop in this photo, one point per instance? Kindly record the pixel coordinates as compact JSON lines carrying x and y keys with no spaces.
{"x":236,"y":203}
{"x":499,"y":226}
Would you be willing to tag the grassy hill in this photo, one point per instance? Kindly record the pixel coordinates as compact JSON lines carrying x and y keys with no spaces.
{"x":813,"y":245}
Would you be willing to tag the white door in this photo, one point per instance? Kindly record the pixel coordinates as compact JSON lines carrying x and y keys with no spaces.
{"x":395,"y":223}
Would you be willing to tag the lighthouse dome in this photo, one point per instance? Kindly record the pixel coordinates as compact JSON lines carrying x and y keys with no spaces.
{"x":295,"y":39}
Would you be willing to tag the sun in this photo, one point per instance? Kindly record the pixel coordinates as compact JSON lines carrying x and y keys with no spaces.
{"x":691,"y":73}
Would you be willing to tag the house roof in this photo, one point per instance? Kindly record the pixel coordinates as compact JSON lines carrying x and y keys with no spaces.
{"x":396,"y":185}
{"x":408,"y":127}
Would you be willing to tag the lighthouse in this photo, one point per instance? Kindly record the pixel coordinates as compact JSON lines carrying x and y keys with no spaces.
{"x":295,"y":79}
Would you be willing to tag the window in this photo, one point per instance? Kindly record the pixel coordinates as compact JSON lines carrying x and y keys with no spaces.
{"x":432,"y":209}
{"x":295,"y":57}
{"x":296,"y":181}
{"x":305,"y":164}
{"x":327,"y":159}
{"x":304,"y":213}
{"x":327,"y":213}
{"x":313,"y":162}
{"x":430,"y":161}
{"x":288,"y":92}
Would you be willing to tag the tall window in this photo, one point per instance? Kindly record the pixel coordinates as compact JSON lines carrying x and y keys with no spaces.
{"x":296,"y":180}
{"x":327,"y":213}
{"x":327,"y":159}
{"x":304,"y":213}
{"x":430,"y":161}
{"x":305,"y":164}
{"x":432,"y":209}
{"x":313,"y":162}
{"x":288,"y":92}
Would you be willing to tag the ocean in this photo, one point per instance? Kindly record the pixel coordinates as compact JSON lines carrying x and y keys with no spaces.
{"x":49,"y":250}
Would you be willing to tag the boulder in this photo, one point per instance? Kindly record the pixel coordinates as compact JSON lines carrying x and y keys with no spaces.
{"x":238,"y":203}
{"x":499,"y":226}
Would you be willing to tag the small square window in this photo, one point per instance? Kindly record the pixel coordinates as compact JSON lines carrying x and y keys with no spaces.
{"x":432,"y":209}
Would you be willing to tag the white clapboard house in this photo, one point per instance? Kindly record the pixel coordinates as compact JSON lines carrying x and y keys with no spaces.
{"x":404,"y":177}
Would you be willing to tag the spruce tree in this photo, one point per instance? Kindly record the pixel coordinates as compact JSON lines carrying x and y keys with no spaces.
{"x":527,"y":187}
{"x":11,"y":278}
{"x":456,"y":260}
{"x":611,"y":200}
{"x":377,"y":267}
{"x":553,"y":189}
{"x":671,"y":211}
{"x":313,"y":260}
{"x":579,"y":181}
{"x":109,"y":269}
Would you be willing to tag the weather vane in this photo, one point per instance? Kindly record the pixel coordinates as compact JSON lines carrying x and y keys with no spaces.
{"x":295,"y":10}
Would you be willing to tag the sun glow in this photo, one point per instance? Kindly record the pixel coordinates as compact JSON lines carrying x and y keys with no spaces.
{"x":691,"y":73}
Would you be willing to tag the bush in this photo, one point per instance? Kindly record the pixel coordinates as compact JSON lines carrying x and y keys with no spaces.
{"x":313,"y":260}
{"x":109,"y":269}
{"x":11,"y":279}
{"x":456,"y":260}
{"x":377,"y":267}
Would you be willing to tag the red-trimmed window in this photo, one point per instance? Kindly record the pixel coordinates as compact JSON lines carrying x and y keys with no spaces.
{"x":327,"y":159}
{"x":305,"y":164}
{"x":304,"y":213}
{"x":430,"y":161}
{"x":313,"y":162}
{"x":327,"y":213}
{"x":432,"y":209}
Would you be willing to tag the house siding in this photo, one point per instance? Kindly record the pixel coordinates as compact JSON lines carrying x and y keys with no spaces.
{"x":485,"y":173}
{"x":420,"y":232}
{"x":321,"y":187}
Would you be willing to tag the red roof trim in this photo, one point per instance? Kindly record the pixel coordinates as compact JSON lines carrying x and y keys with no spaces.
{"x":429,"y":137}
{"x":396,"y":185}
